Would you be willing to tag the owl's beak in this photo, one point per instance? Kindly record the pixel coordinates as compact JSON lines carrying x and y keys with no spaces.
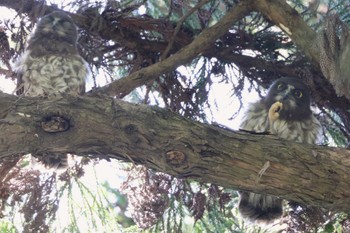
{"x":285,"y":95}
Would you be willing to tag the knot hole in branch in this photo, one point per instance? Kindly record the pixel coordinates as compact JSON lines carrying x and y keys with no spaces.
{"x":55,"y":124}
{"x":175,"y":158}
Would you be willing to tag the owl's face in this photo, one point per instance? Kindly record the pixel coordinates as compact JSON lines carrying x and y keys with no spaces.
{"x":57,"y":25}
{"x":293,"y":94}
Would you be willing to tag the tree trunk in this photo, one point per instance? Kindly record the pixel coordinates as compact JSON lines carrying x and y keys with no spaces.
{"x":167,"y":142}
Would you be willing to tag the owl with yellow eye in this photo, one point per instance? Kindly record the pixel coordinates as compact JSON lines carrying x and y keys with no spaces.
{"x":285,"y":112}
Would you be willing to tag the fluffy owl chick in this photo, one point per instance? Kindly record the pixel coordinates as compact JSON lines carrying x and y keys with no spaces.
{"x":52,"y":66}
{"x":285,"y":112}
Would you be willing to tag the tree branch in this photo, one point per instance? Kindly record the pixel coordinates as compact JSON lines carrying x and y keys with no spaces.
{"x":167,"y":142}
{"x":123,"y":86}
{"x":289,"y":20}
{"x":178,"y":27}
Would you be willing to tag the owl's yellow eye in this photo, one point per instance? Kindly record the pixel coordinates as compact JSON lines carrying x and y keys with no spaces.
{"x":281,"y":86}
{"x":298,"y":94}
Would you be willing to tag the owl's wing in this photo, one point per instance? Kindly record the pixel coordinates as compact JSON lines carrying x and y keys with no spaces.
{"x":309,"y":131}
{"x":20,"y":84}
{"x":255,"y":118}
{"x":19,"y":70}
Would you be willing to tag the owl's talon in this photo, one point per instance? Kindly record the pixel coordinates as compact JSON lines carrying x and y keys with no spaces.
{"x":274,"y":111}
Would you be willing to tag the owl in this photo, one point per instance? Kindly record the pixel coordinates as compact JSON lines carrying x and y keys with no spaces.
{"x":285,"y":112}
{"x":52,"y":66}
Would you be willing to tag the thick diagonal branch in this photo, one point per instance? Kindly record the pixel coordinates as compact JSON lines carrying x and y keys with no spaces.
{"x":167,"y":142}
{"x":206,"y":38}
{"x":289,"y":20}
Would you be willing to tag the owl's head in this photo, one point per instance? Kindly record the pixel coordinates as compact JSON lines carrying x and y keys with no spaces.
{"x":57,"y":25}
{"x":293,"y":94}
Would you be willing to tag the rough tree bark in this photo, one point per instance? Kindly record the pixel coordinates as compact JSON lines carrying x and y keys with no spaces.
{"x":167,"y":142}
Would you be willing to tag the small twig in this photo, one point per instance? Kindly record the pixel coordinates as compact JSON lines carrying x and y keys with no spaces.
{"x":255,"y":133}
{"x":263,"y":170}
{"x":339,"y":125}
{"x":5,"y":72}
{"x":123,"y":86}
{"x":131,"y":160}
{"x":178,"y":26}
